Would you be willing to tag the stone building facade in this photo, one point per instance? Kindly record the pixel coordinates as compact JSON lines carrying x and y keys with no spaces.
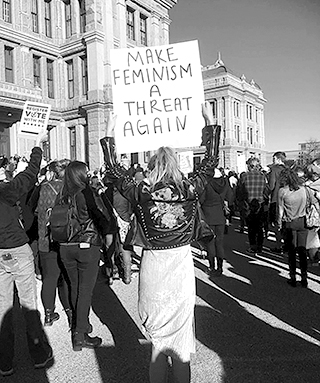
{"x":238,"y":106}
{"x":58,"y":52}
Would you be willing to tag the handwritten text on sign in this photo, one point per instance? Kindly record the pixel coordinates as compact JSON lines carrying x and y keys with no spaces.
{"x":157,"y":97}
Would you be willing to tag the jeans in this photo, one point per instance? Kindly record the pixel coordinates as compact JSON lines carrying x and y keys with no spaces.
{"x":82,"y":266}
{"x":53,"y":276}
{"x":295,"y":242}
{"x":255,"y":229}
{"x":215,"y":247}
{"x":19,"y":271}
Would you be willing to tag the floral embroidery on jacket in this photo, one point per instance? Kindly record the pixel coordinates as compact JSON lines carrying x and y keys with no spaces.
{"x":165,"y":214}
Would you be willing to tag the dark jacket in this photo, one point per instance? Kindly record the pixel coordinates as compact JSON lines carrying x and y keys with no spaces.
{"x":274,"y":184}
{"x":12,"y":233}
{"x":166,"y":215}
{"x":92,"y":216}
{"x":212,"y":200}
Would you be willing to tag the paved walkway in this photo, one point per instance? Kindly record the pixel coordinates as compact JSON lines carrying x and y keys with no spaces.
{"x":251,"y":327}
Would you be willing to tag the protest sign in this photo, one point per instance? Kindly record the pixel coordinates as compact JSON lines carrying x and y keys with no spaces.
{"x":157,"y":96}
{"x":35,"y":117}
{"x":186,"y":162}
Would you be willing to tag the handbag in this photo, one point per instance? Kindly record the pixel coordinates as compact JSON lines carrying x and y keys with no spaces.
{"x":202,"y":231}
{"x":312,"y":213}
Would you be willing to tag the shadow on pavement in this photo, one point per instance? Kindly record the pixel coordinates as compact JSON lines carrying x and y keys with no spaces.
{"x":128,"y":360}
{"x":23,"y":365}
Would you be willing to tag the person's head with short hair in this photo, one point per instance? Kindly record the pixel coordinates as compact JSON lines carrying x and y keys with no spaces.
{"x":253,"y":164}
{"x":279,"y":158}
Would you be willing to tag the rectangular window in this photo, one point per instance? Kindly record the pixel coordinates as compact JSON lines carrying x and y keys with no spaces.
{"x":68,"y":19}
{"x":73,"y":144}
{"x":50,"y":78}
{"x":249,"y":112}
{"x":70,"y":79}
{"x":251,"y":135}
{"x":257,"y":135}
{"x":36,"y":71}
{"x":223,"y":107}
{"x":214,"y":105}
{"x":82,"y":16}
{"x":47,"y":18}
{"x":34,"y":16}
{"x":6,"y":10}
{"x":143,"y":30}
{"x":8,"y":63}
{"x":130,"y":24}
{"x":237,"y":133}
{"x":236,"y":109}
{"x":84,"y":75}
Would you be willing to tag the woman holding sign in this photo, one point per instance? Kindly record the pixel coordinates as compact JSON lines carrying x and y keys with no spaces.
{"x":166,"y":222}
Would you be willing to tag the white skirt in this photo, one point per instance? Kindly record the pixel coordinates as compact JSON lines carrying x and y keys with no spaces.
{"x":167,"y":299}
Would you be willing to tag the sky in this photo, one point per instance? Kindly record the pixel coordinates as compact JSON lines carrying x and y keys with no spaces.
{"x":274,"y":42}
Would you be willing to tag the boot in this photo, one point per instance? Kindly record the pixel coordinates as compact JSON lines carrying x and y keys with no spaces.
{"x":69,"y":317}
{"x":304,"y":281}
{"x":81,"y":340}
{"x":50,"y":317}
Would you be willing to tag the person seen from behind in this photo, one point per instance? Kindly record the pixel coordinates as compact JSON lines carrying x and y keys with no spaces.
{"x":52,"y":270}
{"x":292,"y":199}
{"x":80,"y":254}
{"x":279,"y":159}
{"x":165,"y":206}
{"x":17,"y":270}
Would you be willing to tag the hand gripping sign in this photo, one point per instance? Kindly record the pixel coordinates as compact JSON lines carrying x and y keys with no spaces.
{"x":157,"y":96}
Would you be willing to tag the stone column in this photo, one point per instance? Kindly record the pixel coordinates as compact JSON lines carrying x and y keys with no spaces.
{"x":95,"y":62}
{"x":25,"y":68}
{"x":227,"y":118}
{"x":155,"y":28}
{"x":96,"y":130}
{"x":60,"y":141}
{"x":80,"y":140}
{"x":122,"y":23}
{"x":164,"y":25}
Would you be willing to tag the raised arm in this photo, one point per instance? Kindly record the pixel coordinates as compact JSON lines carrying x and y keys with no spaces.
{"x":12,"y":191}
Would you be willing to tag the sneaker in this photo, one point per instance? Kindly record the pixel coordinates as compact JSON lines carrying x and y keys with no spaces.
{"x":6,"y":372}
{"x":251,"y":251}
{"x":45,"y":362}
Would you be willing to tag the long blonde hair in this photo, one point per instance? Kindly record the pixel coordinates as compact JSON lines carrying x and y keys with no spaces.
{"x":164,"y":168}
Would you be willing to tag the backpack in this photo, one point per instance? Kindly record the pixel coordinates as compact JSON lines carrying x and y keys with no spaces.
{"x":63,"y":222}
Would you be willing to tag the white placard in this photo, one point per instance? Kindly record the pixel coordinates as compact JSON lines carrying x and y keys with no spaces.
{"x":35,"y":117}
{"x":157,"y":96}
{"x":186,"y":162}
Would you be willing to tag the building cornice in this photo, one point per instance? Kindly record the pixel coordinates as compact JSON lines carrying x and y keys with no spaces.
{"x":167,"y":4}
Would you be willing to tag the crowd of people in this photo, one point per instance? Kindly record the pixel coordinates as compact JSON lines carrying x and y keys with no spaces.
{"x":114,"y":209}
